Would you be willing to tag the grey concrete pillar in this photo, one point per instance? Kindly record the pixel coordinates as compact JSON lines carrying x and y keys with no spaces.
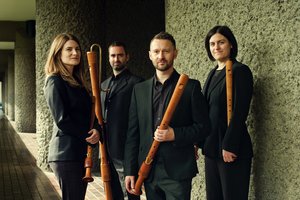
{"x":11,"y":88}
{"x":1,"y":93}
{"x":5,"y":108}
{"x":82,"y":18}
{"x":25,"y":115}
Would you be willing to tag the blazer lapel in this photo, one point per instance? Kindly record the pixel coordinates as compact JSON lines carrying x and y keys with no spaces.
{"x":104,"y":86}
{"x":115,"y":89}
{"x":147,"y":102}
{"x":169,"y":95}
{"x":209,"y":88}
{"x":206,"y":84}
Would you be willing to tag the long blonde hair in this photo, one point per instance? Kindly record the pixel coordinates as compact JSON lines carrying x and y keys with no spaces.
{"x":54,"y":65}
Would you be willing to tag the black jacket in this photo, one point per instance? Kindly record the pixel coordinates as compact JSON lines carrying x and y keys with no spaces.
{"x":190,"y":123}
{"x":115,"y":112}
{"x":71,"y":111}
{"x":235,"y":137}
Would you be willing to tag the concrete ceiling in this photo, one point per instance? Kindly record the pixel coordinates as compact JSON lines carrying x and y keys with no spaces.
{"x":15,"y":11}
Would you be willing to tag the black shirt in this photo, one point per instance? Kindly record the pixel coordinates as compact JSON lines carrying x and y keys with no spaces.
{"x":159,"y":96}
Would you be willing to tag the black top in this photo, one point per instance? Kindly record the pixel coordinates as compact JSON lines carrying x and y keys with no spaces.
{"x":160,"y":93}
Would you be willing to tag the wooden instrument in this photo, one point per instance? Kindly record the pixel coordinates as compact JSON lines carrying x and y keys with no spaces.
{"x":229,"y":89}
{"x":146,"y":165}
{"x":96,"y":80}
{"x":88,"y":162}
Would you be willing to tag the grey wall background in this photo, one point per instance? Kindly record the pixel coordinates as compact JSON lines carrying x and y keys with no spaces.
{"x":24,"y":74}
{"x":268,"y":34}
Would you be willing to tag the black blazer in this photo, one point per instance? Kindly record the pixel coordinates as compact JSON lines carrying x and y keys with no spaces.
{"x":190,"y":122}
{"x":116,"y":113}
{"x":71,"y":111}
{"x":234,"y":138}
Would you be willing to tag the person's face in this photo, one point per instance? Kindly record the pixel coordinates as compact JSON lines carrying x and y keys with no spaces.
{"x":70,"y":54}
{"x":162,"y":54}
{"x":219,"y":47}
{"x":117,"y":58}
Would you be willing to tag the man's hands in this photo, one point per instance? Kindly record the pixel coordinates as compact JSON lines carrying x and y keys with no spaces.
{"x":129,"y":183}
{"x":165,"y":135}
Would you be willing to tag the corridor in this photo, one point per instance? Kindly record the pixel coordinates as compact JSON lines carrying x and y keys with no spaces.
{"x":20,"y":178}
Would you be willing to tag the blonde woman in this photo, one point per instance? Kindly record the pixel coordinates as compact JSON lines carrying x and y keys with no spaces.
{"x":68,"y":98}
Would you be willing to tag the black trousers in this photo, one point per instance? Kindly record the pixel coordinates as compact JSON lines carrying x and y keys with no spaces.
{"x":116,"y":187}
{"x":227,"y":181}
{"x":162,"y":187}
{"x":119,"y":168}
{"x":69,"y":175}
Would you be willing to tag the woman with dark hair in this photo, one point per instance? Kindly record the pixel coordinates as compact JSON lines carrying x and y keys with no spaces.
{"x":67,"y":94}
{"x":228,"y":149}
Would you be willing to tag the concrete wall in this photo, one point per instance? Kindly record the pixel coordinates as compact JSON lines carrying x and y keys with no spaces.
{"x":24,"y":83}
{"x":11,"y":88}
{"x":268,"y":34}
{"x":5,"y":104}
{"x":1,"y":93}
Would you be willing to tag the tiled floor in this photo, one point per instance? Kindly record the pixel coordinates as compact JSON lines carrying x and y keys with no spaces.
{"x":21,"y":179}
{"x":18,"y":167}
{"x":94,"y":190}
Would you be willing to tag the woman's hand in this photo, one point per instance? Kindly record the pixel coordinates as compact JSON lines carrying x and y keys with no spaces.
{"x":94,"y":138}
{"x":228,"y":156}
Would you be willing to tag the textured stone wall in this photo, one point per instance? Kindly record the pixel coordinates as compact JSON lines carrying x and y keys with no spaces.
{"x":5,"y":105}
{"x":1,"y":93}
{"x":11,"y":88}
{"x":83,"y":19}
{"x":268,"y":34}
{"x":24,"y":83}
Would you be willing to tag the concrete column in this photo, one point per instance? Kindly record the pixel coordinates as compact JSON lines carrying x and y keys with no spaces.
{"x":25,"y":116}
{"x":5,"y":108}
{"x":82,"y":18}
{"x":1,"y":93}
{"x":11,"y":88}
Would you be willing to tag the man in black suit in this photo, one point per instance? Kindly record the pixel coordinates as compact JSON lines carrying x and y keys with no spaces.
{"x":175,"y":163}
{"x":115,"y":104}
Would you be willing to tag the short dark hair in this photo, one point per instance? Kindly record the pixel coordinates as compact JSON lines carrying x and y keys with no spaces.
{"x":226,"y":32}
{"x":119,"y":44}
{"x":165,"y":36}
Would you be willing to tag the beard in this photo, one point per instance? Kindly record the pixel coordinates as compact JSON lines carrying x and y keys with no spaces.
{"x":118,"y":67}
{"x":164,"y":67}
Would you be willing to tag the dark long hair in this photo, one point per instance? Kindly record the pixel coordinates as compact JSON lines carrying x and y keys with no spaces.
{"x":226,"y":32}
